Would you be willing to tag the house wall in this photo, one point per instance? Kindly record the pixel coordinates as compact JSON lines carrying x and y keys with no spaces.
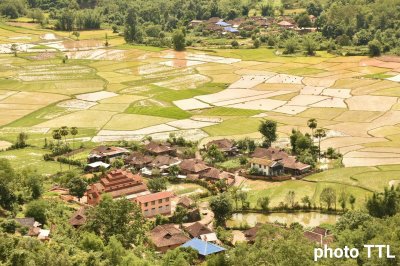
{"x":262,"y":168}
{"x":152,"y":208}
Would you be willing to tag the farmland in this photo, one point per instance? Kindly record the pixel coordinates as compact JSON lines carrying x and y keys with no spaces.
{"x":126,"y":92}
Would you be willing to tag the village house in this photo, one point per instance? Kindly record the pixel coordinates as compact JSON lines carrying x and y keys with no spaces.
{"x":167,"y":236}
{"x":138,"y":160}
{"x":213,"y":175}
{"x":251,"y":233}
{"x":267,"y":167}
{"x":194,"y":23}
{"x":96,"y":166}
{"x":193,"y":167}
{"x":102,"y":153}
{"x":197,"y":229}
{"x":34,"y":229}
{"x":193,"y":212}
{"x":319,"y":235}
{"x":163,"y":162}
{"x":78,"y":218}
{"x":224,"y":145}
{"x":157,"y":148}
{"x":155,"y":203}
{"x":204,"y":248}
{"x":290,"y":164}
{"x":117,"y":183}
{"x":286,"y":24}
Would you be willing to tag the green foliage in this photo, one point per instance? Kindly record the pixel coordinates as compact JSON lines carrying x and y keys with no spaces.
{"x":120,"y":218}
{"x":222,"y":207}
{"x":38,"y":210}
{"x":375,"y":48}
{"x":157,"y":184}
{"x":310,"y":46}
{"x":178,"y":40}
{"x":77,"y":187}
{"x":268,"y":129}
{"x":328,"y":197}
{"x":384,"y":204}
{"x":91,"y":242}
{"x":263,"y":202}
{"x":214,"y":155}
{"x":291,"y":46}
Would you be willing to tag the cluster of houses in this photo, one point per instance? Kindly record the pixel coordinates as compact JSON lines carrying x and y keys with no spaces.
{"x":34,"y":228}
{"x":234,"y":26}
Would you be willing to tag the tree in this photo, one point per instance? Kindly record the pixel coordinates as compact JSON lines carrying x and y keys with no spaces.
{"x":114,"y":251}
{"x":178,"y":40}
{"x":174,"y":170}
{"x":267,"y":128}
{"x":319,"y":134}
{"x":64,"y":133}
{"x":222,"y":207}
{"x":214,"y":155}
{"x":290,"y":46}
{"x":384,"y":204}
{"x":91,"y":242}
{"x":306,"y":201}
{"x":180,"y":215}
{"x":374,"y":48}
{"x":38,"y":210}
{"x":33,"y":182}
{"x":263,"y":202}
{"x":352,"y":201}
{"x":131,"y":32}
{"x":328,"y":196}
{"x":290,"y":198}
{"x":235,"y":44}
{"x":121,"y":218}
{"x":157,"y":184}
{"x":73,"y":131}
{"x":303,"y":20}
{"x":77,"y":187}
{"x":267,"y":10}
{"x":21,"y":140}
{"x":14,"y":49}
{"x":343,"y":200}
{"x":256,"y":43}
{"x":309,"y":45}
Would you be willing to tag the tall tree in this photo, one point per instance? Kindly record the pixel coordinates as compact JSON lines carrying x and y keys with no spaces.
{"x":328,"y":197}
{"x":77,"y":187}
{"x":131,"y":26}
{"x":319,"y":134}
{"x":222,"y":207}
{"x":178,"y":40}
{"x":268,"y":129}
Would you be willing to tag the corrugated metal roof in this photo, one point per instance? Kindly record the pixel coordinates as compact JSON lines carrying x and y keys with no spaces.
{"x":204,"y":248}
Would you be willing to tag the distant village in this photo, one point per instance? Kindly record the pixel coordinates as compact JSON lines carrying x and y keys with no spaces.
{"x":235,"y":26}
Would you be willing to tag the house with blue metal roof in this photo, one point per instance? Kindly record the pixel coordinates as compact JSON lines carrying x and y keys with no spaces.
{"x":222,"y":24}
{"x":232,"y":30}
{"x":203,"y":247}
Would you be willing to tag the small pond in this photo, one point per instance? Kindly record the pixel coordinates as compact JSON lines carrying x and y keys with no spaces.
{"x":307,"y":219}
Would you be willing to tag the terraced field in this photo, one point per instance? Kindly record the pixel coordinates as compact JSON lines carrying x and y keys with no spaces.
{"x":128,"y":92}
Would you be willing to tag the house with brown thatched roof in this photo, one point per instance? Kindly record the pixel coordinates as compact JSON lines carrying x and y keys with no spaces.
{"x":78,"y":218}
{"x":158,"y":148}
{"x":138,"y":160}
{"x":224,"y":145}
{"x":193,"y":166}
{"x":167,"y":236}
{"x":197,"y":229}
{"x":319,"y":235}
{"x":102,"y":153}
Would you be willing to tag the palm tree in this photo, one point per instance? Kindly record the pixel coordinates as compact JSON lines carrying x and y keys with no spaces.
{"x":64,"y":132}
{"x":312,"y":124}
{"x":57,"y":136}
{"x":320,"y":133}
{"x":74,"y":132}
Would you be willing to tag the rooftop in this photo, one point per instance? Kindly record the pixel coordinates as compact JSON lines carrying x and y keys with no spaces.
{"x":155,"y":196}
{"x":203,"y":247}
{"x":167,"y":235}
{"x":197,"y":229}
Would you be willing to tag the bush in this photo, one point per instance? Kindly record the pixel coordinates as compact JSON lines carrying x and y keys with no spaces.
{"x":290,"y":46}
{"x":234,"y":44}
{"x":374,"y":48}
{"x":256,"y":43}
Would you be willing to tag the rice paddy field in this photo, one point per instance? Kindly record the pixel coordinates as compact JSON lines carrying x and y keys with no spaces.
{"x":129,"y":92}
